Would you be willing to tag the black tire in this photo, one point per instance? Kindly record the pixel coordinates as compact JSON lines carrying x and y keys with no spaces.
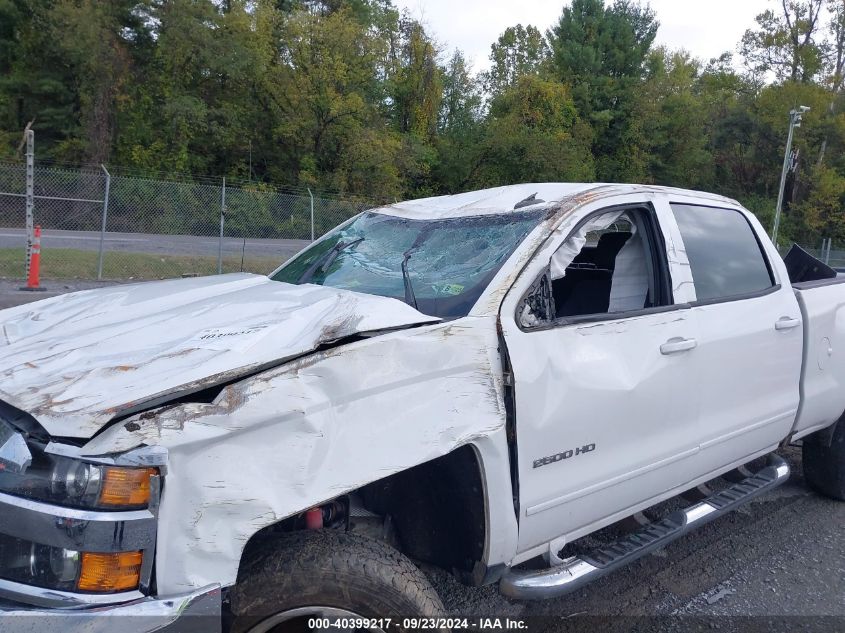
{"x":327,"y":568}
{"x":823,"y":464}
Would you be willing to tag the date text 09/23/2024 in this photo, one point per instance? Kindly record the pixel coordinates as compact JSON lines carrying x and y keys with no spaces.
{"x":384,"y":624}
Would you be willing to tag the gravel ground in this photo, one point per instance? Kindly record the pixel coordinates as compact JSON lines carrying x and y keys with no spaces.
{"x":778,"y":563}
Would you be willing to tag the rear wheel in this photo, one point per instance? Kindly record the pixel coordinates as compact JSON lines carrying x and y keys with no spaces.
{"x":824,"y":463}
{"x":329,"y":575}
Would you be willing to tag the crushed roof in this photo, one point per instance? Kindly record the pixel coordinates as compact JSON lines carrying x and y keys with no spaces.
{"x":503,"y":199}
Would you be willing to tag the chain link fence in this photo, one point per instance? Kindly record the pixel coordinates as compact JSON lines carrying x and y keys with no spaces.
{"x":97,"y":224}
{"x":120,"y":226}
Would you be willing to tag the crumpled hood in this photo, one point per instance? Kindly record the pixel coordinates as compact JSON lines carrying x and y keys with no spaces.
{"x":77,"y":360}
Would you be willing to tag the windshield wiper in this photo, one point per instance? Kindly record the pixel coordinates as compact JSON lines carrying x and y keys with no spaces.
{"x":410,"y":299}
{"x":323,"y":263}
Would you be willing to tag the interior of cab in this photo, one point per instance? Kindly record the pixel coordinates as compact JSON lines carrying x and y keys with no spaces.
{"x":608,"y":266}
{"x":585,"y":289}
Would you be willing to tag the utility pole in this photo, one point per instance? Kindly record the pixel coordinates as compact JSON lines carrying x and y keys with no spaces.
{"x":794,"y":122}
{"x":311,"y":195}
{"x":104,"y":221}
{"x":29,"y":136}
{"x":222,"y":224}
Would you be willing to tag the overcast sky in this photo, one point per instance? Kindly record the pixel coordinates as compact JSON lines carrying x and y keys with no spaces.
{"x":704,"y":28}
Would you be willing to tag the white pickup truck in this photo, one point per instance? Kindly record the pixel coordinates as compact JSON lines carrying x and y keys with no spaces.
{"x":473,"y":382}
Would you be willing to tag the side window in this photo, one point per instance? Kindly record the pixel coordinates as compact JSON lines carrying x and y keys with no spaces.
{"x":610,"y":265}
{"x":725,"y":256}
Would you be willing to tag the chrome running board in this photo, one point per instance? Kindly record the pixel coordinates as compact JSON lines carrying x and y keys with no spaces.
{"x":578,"y":571}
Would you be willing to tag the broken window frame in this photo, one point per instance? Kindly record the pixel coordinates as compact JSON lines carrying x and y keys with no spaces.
{"x":540,"y":294}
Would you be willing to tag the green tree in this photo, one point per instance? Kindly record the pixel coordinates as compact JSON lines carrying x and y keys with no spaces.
{"x":417,"y":92}
{"x":785,"y":42}
{"x":100,"y":41}
{"x":321,"y":93}
{"x":518,"y":51}
{"x":196,"y":107}
{"x":820,"y":214}
{"x":461,"y":126}
{"x":674,"y":114}
{"x":461,"y":104}
{"x":729,"y":126}
{"x":36,"y":82}
{"x":600,"y":51}
{"x":834,"y":67}
{"x":534,"y":135}
{"x":418,"y":86}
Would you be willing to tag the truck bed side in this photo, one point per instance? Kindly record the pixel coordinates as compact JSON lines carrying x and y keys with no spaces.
{"x":822,"y":385}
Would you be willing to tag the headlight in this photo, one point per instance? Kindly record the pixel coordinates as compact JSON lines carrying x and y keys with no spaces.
{"x":74,"y":483}
{"x":36,"y":564}
{"x":68,"y":570}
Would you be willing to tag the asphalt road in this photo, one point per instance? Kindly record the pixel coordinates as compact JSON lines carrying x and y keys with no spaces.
{"x":191,"y":245}
{"x":776,"y":564}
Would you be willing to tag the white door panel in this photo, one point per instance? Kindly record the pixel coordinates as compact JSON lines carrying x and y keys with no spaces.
{"x":749,"y":345}
{"x":604,"y":407}
{"x":750,"y":373}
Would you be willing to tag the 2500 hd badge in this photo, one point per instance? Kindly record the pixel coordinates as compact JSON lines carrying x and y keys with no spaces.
{"x":557,"y":457}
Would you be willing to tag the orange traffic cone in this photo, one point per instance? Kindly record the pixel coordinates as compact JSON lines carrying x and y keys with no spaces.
{"x":32,"y":280}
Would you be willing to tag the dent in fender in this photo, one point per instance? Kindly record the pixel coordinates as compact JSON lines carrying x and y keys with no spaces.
{"x":309,"y":431}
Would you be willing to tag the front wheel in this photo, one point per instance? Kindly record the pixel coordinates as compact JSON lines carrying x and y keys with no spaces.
{"x":824,"y":465}
{"x":326,"y":575}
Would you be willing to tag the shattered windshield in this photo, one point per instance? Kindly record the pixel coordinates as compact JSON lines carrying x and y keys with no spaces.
{"x":448,"y":262}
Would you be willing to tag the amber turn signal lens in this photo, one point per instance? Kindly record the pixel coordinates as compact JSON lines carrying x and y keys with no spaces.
{"x":126,"y":486}
{"x":109,"y":572}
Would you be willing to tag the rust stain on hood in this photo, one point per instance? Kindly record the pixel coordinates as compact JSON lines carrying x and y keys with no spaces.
{"x":76,"y":361}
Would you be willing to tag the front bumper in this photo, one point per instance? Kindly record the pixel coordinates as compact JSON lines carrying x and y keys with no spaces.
{"x":198,"y":611}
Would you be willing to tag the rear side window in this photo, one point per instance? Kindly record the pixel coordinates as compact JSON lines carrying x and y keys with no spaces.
{"x":724,"y":254}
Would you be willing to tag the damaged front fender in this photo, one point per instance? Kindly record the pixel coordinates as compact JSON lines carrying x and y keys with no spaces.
{"x":282,"y":441}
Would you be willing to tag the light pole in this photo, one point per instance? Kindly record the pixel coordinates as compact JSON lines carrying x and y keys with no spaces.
{"x":794,"y":122}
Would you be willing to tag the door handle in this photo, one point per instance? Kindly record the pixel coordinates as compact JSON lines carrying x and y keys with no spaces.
{"x":675,"y":345}
{"x":787,"y":323}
